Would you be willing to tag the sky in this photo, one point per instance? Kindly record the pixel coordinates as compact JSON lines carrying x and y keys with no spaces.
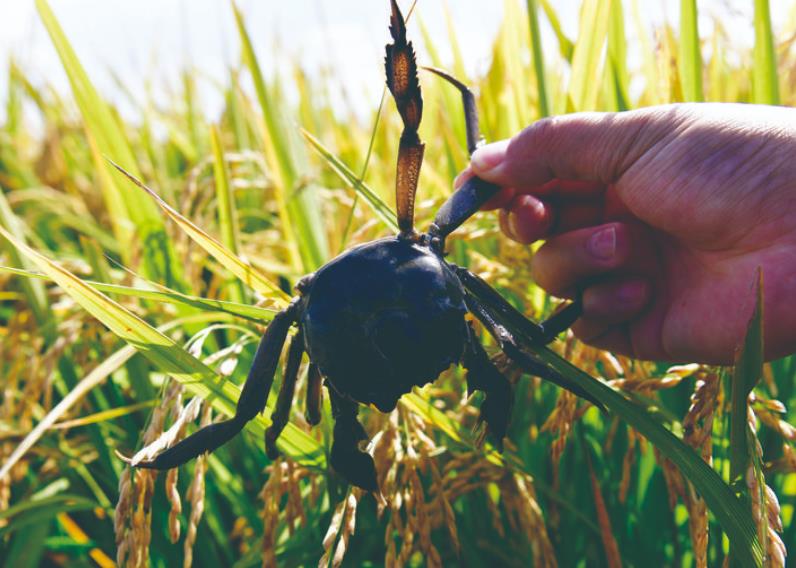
{"x":149,"y":41}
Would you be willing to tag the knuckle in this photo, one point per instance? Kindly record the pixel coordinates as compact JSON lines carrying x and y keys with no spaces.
{"x":533,"y":136}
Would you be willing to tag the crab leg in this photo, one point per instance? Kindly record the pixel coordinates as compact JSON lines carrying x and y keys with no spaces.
{"x":402,"y":81}
{"x":314,"y":400}
{"x":474,"y":138}
{"x":538,"y":333}
{"x":285,"y":400}
{"x":251,"y":402}
{"x":484,"y":376}
{"x":511,"y":346}
{"x":347,"y":458}
{"x":475,"y":192}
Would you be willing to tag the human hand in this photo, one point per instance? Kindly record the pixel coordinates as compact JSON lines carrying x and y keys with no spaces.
{"x":661,"y":217}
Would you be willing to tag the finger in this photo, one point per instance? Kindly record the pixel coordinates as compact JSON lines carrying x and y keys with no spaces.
{"x":613,"y":338}
{"x":499,"y":200}
{"x":570,"y":261}
{"x":527,"y":219}
{"x":463,"y":176}
{"x":567,"y":206}
{"x":616,"y":301}
{"x":595,"y":147}
{"x":572,"y":189}
{"x":579,"y":215}
{"x":563,"y":213}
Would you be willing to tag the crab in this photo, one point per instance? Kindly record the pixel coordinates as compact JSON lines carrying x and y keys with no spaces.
{"x":389,"y":315}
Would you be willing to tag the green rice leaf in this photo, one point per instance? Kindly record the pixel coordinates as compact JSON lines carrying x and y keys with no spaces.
{"x":725,"y":506}
{"x":228,"y":260}
{"x":227,"y":220}
{"x":89,"y":382}
{"x":617,"y":76}
{"x":565,"y":45}
{"x":585,"y":80}
{"x":252,"y":313}
{"x":39,"y":511}
{"x":747,"y":373}
{"x":34,"y":292}
{"x":167,"y":356}
{"x":765,"y":86}
{"x":227,"y":216}
{"x":689,"y":53}
{"x":381,"y":209}
{"x":720,"y":498}
{"x":131,"y":214}
{"x":538,"y":58}
{"x":299,"y":211}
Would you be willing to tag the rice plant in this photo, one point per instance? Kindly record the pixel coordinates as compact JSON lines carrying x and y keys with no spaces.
{"x":129,"y":319}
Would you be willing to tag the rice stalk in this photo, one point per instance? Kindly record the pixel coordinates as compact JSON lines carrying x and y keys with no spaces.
{"x":766,"y":511}
{"x":698,"y":428}
{"x":196,"y":496}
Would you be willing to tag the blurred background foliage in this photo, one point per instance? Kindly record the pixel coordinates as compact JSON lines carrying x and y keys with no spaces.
{"x":183,"y":289}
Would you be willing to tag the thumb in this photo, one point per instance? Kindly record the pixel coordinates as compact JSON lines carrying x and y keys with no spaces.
{"x":591,"y":146}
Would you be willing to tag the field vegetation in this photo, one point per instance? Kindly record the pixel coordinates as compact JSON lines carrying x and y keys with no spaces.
{"x":129,"y":319}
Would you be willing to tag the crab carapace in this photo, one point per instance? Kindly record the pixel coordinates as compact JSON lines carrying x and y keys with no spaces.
{"x":389,"y":315}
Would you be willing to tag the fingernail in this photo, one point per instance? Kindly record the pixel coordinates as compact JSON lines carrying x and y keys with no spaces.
{"x":490,"y":156}
{"x":505,"y":225}
{"x":457,"y":183}
{"x":602,"y":244}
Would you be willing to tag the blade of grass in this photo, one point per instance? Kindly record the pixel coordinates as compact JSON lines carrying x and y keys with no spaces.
{"x":689,"y":53}
{"x":131,"y":214}
{"x":616,"y":75}
{"x":565,"y":45}
{"x":381,"y":209}
{"x":514,"y":38}
{"x":453,"y":42}
{"x":34,"y":291}
{"x":246,"y":273}
{"x":252,"y":313}
{"x":721,"y":500}
{"x":167,"y":356}
{"x":613,"y":558}
{"x":104,"y":416}
{"x":365,"y":165}
{"x":538,"y":58}
{"x":79,"y":536}
{"x":90,"y":381}
{"x":746,"y":374}
{"x":227,"y":221}
{"x":37,"y":512}
{"x":448,"y":98}
{"x":765,"y":86}
{"x":299,"y":213}
{"x":649,"y":53}
{"x":585,"y":81}
{"x":227,"y":218}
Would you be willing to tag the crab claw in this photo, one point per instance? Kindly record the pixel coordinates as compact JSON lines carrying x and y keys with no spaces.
{"x":356,"y":466}
{"x":483,"y":375}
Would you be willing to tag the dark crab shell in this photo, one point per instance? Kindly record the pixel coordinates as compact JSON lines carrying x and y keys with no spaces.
{"x":383,"y":317}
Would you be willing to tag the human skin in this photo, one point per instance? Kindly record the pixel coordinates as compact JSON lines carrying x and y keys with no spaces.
{"x":661,"y":218}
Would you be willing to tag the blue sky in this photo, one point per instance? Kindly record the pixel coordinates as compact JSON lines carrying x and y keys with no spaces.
{"x":150,"y":40}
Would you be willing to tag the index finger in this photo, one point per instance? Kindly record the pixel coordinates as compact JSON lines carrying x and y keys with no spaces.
{"x":498,"y":201}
